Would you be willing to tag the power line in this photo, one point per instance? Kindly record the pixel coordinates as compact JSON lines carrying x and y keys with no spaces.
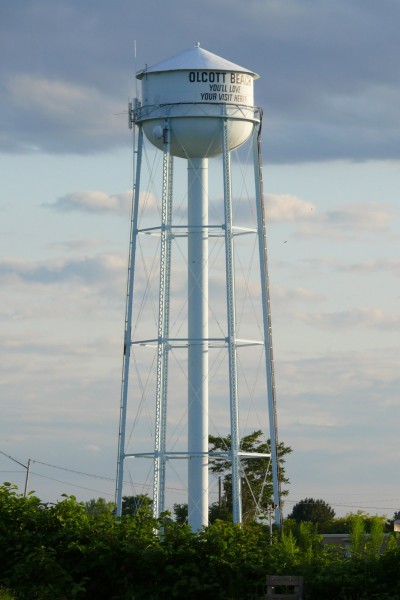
{"x":32,"y":460}
{"x":74,"y":471}
{"x":173,"y":489}
{"x":11,"y":471}
{"x":345,"y":505}
{"x":148,"y":485}
{"x":72,"y":484}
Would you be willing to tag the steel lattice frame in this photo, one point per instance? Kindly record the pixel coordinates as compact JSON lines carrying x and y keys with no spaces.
{"x":163,"y":331}
{"x":269,"y":357}
{"x":160,"y":454}
{"x":231,"y":337}
{"x":128,"y":317}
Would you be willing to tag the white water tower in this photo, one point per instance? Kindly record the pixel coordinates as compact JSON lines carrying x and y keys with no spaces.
{"x":196,"y":106}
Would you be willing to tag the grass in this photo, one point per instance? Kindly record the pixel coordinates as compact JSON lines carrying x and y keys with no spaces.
{"x":6,"y":595}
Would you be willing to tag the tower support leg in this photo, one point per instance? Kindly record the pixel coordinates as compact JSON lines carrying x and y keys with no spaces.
{"x":269,"y":357}
{"x":198,"y":343}
{"x":163,"y":331}
{"x":128,"y":323}
{"x":231,"y":338}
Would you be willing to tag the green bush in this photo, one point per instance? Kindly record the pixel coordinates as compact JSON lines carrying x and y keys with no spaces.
{"x":63,"y":552}
{"x":6,"y":595}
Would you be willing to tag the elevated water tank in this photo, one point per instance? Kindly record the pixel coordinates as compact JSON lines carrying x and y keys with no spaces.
{"x":195,"y":90}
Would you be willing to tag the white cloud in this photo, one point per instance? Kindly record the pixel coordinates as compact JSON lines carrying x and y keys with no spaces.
{"x":87,"y":269}
{"x":389,"y":265}
{"x":338,"y":100}
{"x":369,"y":217}
{"x":78,"y":245}
{"x":94,"y":202}
{"x":311,"y":417}
{"x":82,"y":107}
{"x":54,"y":97}
{"x":349,"y":223}
{"x":284,"y":207}
{"x":92,"y":448}
{"x":299,"y":294}
{"x":59,"y":114}
{"x":355,"y":318}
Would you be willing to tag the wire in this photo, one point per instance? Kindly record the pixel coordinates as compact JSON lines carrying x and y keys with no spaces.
{"x":345,"y":505}
{"x":176,"y":489}
{"x":73,"y":471}
{"x":89,"y":475}
{"x":11,"y":471}
{"x":72,"y":484}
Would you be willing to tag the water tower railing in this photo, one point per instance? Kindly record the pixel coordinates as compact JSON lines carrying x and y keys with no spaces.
{"x":196,"y":109}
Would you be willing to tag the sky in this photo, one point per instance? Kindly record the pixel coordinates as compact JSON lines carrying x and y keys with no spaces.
{"x":329,"y":88}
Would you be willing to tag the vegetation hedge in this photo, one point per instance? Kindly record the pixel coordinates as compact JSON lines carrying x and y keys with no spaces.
{"x":61,"y":552}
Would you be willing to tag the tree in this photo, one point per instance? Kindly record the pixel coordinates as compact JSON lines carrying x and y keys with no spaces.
{"x":98,"y":507}
{"x":391,"y":522}
{"x":181,"y":513}
{"x":134,"y":505}
{"x":316,"y":511}
{"x":257,"y":486}
{"x":219,"y":510}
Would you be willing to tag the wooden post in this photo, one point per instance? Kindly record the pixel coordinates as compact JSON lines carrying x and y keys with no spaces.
{"x":277,"y":581}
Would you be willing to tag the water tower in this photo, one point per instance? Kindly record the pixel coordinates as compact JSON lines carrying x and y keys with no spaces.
{"x":196,"y":106}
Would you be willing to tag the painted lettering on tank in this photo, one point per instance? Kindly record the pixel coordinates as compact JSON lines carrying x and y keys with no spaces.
{"x":241,"y":78}
{"x":218,"y":87}
{"x":207,"y":77}
{"x":207,"y":96}
{"x":219,"y":77}
{"x":225,"y":97}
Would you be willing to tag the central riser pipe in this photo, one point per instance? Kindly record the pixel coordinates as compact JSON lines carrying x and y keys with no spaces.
{"x":198,"y":343}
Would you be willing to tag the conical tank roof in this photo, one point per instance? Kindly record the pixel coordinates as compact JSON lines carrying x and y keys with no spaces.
{"x":195,"y":59}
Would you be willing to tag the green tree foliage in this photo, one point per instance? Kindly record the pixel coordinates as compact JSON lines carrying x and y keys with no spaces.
{"x":99,"y":507}
{"x":181,"y":513}
{"x":220,"y":510}
{"x":345,"y":524}
{"x":390,"y":522}
{"x":315,"y":511}
{"x":60,"y":552}
{"x":140,"y":504}
{"x":216,"y":510}
{"x":257,"y":489}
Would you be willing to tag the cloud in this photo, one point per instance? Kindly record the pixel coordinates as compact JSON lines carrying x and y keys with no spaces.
{"x":79,"y":246}
{"x":60,"y":116}
{"x":364,"y":267}
{"x":291,"y":295}
{"x":347,"y":377}
{"x":284,"y":207}
{"x":92,"y":448}
{"x":350,"y":222}
{"x":328,"y":85}
{"x":57,"y":99}
{"x":388,"y":265}
{"x":369,"y":217}
{"x":356,"y":318}
{"x":88,"y":270}
{"x":279,"y":208}
{"x":93,"y":202}
{"x":99,"y":202}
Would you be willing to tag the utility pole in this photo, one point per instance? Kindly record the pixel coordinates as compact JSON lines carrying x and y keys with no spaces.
{"x":27,"y":467}
{"x":27,"y":477}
